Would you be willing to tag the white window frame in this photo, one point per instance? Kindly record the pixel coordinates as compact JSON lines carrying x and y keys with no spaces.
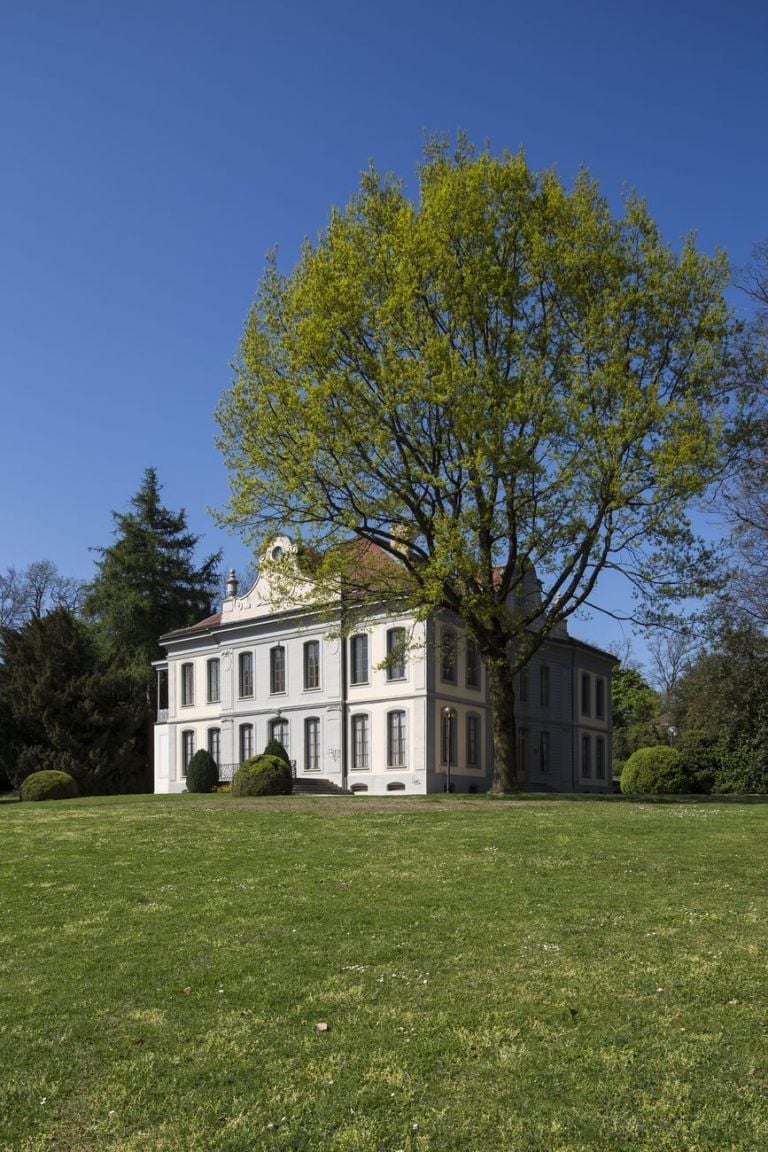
{"x":278,"y":677}
{"x":311,"y":663}
{"x":361,"y":741}
{"x":397,"y":665}
{"x":312,"y":744}
{"x":245,"y":678}
{"x":246,"y":741}
{"x":187,"y":685}
{"x":188,"y":742}
{"x":397,"y":738}
{"x":213,"y":680}
{"x":359,"y":659}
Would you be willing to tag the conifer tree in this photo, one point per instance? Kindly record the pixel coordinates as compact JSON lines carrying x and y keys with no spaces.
{"x":148,"y":583}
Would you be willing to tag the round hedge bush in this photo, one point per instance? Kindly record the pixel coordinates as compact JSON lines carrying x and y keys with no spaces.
{"x":263,"y":776}
{"x":202,"y":773}
{"x":48,"y":786}
{"x":655,"y":772}
{"x":275,"y":748}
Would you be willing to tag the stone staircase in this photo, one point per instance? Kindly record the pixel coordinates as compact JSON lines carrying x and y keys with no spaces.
{"x":311,"y":786}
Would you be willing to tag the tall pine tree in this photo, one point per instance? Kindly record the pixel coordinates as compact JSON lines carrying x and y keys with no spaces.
{"x":148,"y":583}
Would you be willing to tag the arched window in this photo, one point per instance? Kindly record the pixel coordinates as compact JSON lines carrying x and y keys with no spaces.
{"x":277,"y":669}
{"x":396,"y":739}
{"x":213,"y":679}
{"x":312,"y":744}
{"x":246,"y":742}
{"x":245,"y":673}
{"x":312,"y":664}
{"x":278,"y":730}
{"x":360,"y":741}
{"x":396,"y":656}
{"x":448,"y":656}
{"x":187,"y":685}
{"x":358,"y":661}
{"x":473,"y":741}
{"x":472,"y":670}
{"x":187,"y":749}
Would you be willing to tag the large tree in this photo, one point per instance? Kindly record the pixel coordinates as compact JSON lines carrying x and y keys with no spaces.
{"x":148,"y":583}
{"x":63,"y":708}
{"x":498,"y":377}
{"x":746,"y":498}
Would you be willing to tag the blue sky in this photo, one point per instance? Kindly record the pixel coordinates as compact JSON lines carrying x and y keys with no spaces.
{"x":152,"y":153}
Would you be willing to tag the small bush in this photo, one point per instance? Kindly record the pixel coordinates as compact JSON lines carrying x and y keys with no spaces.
{"x":655,"y":772}
{"x":202,"y":773}
{"x":275,"y":748}
{"x":49,"y":786}
{"x":263,"y":776}
{"x":38,"y":758}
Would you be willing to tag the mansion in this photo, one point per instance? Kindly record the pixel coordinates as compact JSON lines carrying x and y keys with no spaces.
{"x":399,"y":705}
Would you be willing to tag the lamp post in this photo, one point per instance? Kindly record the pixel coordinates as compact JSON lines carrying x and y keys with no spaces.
{"x":449,"y":717}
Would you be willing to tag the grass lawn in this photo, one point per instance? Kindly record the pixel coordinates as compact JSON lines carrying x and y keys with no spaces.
{"x":541,"y":976}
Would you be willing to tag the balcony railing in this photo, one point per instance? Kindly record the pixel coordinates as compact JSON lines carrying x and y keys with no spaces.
{"x":162,"y":716}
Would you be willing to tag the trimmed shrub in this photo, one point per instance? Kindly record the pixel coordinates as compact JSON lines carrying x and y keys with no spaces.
{"x":49,"y":786}
{"x":655,"y":772}
{"x":275,"y":748}
{"x":263,"y":776}
{"x":38,"y":758}
{"x":202,"y":773}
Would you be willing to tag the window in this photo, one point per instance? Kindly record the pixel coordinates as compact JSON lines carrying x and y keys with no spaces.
{"x":522,"y":752}
{"x":360,"y":741}
{"x":312,"y":664}
{"x":448,"y":743}
{"x":586,"y":694}
{"x":544,"y":686}
{"x":246,"y":742}
{"x":523,"y":685}
{"x":396,"y":740}
{"x":599,"y":758}
{"x":472,"y":670}
{"x":214,"y":745}
{"x":214,"y":682}
{"x":473,"y":741}
{"x":396,"y":664}
{"x":187,"y":748}
{"x":448,"y":656}
{"x":277,"y":669}
{"x":312,"y":744}
{"x":599,"y":698}
{"x":544,"y":752}
{"x":278,"y":730}
{"x":187,"y":685}
{"x":358,"y":646}
{"x":586,"y":757}
{"x":245,"y":673}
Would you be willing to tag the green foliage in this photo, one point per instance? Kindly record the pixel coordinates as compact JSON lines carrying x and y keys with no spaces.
{"x":147,"y":581}
{"x":202,"y":773}
{"x":503,"y":374}
{"x":275,"y":748}
{"x":147,"y":584}
{"x":49,"y":786}
{"x":723,"y":707}
{"x":64,"y":708}
{"x":655,"y":772}
{"x":263,"y":776}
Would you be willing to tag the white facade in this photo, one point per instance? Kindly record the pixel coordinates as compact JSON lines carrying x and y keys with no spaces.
{"x":396,"y":705}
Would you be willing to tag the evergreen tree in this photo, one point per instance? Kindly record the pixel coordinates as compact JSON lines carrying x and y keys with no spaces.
{"x":63,"y":709}
{"x":148,"y":583}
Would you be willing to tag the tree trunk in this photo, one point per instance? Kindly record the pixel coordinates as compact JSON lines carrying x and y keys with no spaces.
{"x":503,"y":727}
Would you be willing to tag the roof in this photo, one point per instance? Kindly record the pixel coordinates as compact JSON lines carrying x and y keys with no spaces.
{"x":201,"y":626}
